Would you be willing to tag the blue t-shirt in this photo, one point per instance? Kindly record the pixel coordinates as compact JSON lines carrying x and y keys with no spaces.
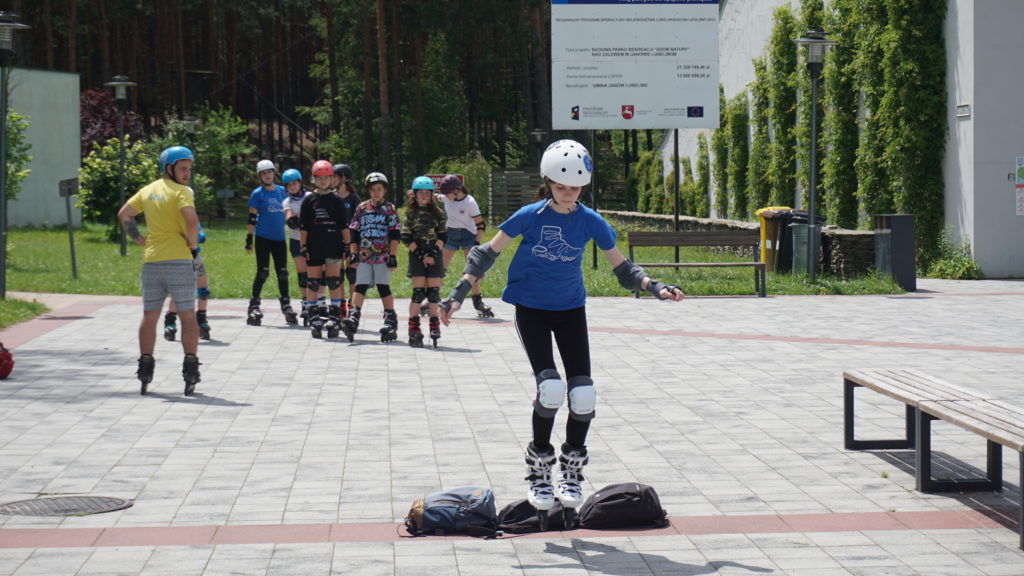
{"x":269,"y":212}
{"x":546,"y":272}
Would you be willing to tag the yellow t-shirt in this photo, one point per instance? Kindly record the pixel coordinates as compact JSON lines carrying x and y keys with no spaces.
{"x":161,"y":203}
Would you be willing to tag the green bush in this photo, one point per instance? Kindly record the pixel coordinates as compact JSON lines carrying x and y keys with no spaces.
{"x":99,"y":192}
{"x":18,"y":155}
{"x":476,"y":171}
{"x":953,"y":261}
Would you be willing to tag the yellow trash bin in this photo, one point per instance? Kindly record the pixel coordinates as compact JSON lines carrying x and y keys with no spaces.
{"x":770,"y":234}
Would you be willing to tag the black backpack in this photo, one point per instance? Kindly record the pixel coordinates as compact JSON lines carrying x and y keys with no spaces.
{"x":629,"y":505}
{"x":519,"y":518}
{"x":462,"y":510}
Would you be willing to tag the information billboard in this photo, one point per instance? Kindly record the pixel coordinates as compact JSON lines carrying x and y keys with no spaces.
{"x":632,"y":64}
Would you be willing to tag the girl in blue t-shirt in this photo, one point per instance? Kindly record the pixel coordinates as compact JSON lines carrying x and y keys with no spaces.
{"x":266,"y":224}
{"x":545,"y":284}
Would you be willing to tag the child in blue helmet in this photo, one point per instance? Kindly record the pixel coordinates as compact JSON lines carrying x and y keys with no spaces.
{"x":292,"y":181}
{"x":424,"y":235}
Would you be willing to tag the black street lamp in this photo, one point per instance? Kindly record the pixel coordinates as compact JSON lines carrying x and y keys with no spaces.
{"x":816,"y":43}
{"x":8,"y":24}
{"x":120,"y":85}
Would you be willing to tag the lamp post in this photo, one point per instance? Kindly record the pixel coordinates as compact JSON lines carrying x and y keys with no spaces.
{"x":120,"y":85}
{"x":8,"y":24}
{"x":816,"y":43}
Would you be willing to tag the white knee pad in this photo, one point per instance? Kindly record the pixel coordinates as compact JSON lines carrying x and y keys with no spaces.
{"x":582,"y":398}
{"x":550,"y":393}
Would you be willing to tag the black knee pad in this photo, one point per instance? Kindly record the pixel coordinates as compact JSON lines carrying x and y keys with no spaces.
{"x":303,"y":279}
{"x":313,"y":284}
{"x":333,"y":282}
{"x":434,"y":295}
{"x":384,"y":290}
{"x":419,"y":295}
{"x":350,"y":275}
{"x":282,"y":274}
{"x":263,"y":273}
{"x":362,"y":288}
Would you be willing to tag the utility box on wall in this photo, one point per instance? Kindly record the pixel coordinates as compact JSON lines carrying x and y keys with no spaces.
{"x":895,"y":249}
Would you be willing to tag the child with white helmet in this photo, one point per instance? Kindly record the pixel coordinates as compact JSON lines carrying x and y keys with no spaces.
{"x":266,"y":224}
{"x":545,"y":284}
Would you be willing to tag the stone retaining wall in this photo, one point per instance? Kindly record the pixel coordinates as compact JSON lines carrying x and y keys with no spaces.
{"x":844,"y":253}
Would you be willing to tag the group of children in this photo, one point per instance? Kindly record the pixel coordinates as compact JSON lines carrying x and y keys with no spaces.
{"x":334,"y":237}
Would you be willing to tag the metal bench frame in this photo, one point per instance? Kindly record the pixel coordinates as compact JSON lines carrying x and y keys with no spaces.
{"x":711,"y":238}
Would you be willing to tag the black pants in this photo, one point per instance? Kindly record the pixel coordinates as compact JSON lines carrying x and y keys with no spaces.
{"x":569,"y":327}
{"x":265,"y":249}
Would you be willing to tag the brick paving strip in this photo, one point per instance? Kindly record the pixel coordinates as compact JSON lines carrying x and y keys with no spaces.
{"x":393,"y":532}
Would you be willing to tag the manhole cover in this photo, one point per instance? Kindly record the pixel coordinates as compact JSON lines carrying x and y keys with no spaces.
{"x":64,"y":506}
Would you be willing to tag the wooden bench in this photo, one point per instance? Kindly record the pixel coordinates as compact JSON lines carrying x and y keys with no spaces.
{"x":928,"y":399}
{"x":749,"y":238}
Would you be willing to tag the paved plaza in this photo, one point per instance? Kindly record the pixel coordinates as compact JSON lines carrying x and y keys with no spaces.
{"x":300,"y":456}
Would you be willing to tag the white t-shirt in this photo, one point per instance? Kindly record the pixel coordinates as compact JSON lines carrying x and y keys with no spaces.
{"x":294,"y":203}
{"x":461,"y":213}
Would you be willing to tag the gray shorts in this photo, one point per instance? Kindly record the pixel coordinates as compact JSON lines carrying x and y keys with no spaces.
{"x":372,"y":274}
{"x":174,"y":278}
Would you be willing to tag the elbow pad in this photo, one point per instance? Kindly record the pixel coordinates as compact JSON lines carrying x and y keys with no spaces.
{"x":406,"y":238}
{"x":479,"y":260}
{"x":443,"y":236}
{"x":353,"y":236}
{"x":252,"y":218}
{"x":630,"y":276}
{"x":481,"y":225}
{"x":394,"y":234}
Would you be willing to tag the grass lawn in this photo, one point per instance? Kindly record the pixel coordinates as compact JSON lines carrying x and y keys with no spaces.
{"x":40,"y":261}
{"x":14,"y":311}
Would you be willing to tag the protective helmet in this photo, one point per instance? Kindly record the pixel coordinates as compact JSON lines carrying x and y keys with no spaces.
{"x":375,"y":177}
{"x":264,"y":165}
{"x":322,"y":168}
{"x":290,"y":175}
{"x":171,"y":155}
{"x":567,"y":162}
{"x":422,"y":183}
{"x":343,"y":170}
{"x":450,"y":183}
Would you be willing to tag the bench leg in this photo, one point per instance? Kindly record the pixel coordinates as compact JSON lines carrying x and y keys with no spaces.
{"x":908,"y":441}
{"x":923,"y":464}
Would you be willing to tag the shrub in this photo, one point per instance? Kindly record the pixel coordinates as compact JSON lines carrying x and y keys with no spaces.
{"x":100,"y":180}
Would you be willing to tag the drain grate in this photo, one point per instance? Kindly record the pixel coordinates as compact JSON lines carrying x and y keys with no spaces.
{"x":64,"y":506}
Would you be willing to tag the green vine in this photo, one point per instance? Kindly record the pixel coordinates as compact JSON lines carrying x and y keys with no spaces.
{"x":839,"y":175}
{"x":739,"y":156}
{"x":872,"y":181}
{"x":914,"y":110}
{"x":782,"y":108}
{"x":759,"y":162}
{"x":720,"y":154}
{"x":701,"y":207}
{"x":687,"y":187}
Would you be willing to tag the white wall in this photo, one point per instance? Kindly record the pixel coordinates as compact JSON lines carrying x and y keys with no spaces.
{"x":998,"y":118}
{"x":50,"y":100}
{"x":958,"y":167}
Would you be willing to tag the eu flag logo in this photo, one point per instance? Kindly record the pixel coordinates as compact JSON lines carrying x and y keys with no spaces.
{"x":694,"y":111}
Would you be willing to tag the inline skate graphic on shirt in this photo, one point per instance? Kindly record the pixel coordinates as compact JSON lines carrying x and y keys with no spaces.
{"x":553,"y":247}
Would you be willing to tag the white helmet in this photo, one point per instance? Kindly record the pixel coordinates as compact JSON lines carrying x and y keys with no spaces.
{"x":264,"y":165}
{"x":567,"y":162}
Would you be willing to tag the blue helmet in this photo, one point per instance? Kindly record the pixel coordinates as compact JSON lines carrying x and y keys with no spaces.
{"x":290,"y":175}
{"x":422,"y":183}
{"x":171,"y":155}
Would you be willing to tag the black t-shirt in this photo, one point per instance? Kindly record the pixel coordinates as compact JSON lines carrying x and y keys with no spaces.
{"x":323,"y":217}
{"x":351,"y":201}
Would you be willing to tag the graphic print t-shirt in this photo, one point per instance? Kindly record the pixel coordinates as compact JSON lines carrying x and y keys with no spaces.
{"x":545,"y":272}
{"x":374,"y":223}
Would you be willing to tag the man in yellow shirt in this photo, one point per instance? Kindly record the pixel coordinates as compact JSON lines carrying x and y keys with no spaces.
{"x":171,"y":244}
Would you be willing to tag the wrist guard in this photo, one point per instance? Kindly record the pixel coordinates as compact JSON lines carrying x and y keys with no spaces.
{"x":654,"y":288}
{"x":630,"y":276}
{"x":459,"y":292}
{"x":248,"y":241}
{"x":392,"y":261}
{"x":479,"y":260}
{"x":293,"y":222}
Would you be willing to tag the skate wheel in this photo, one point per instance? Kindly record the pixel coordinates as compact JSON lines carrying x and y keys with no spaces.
{"x":144,"y":389}
{"x":542,"y":520}
{"x":435,"y":342}
{"x":190,"y":388}
{"x":317,"y":334}
{"x":570,"y":518}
